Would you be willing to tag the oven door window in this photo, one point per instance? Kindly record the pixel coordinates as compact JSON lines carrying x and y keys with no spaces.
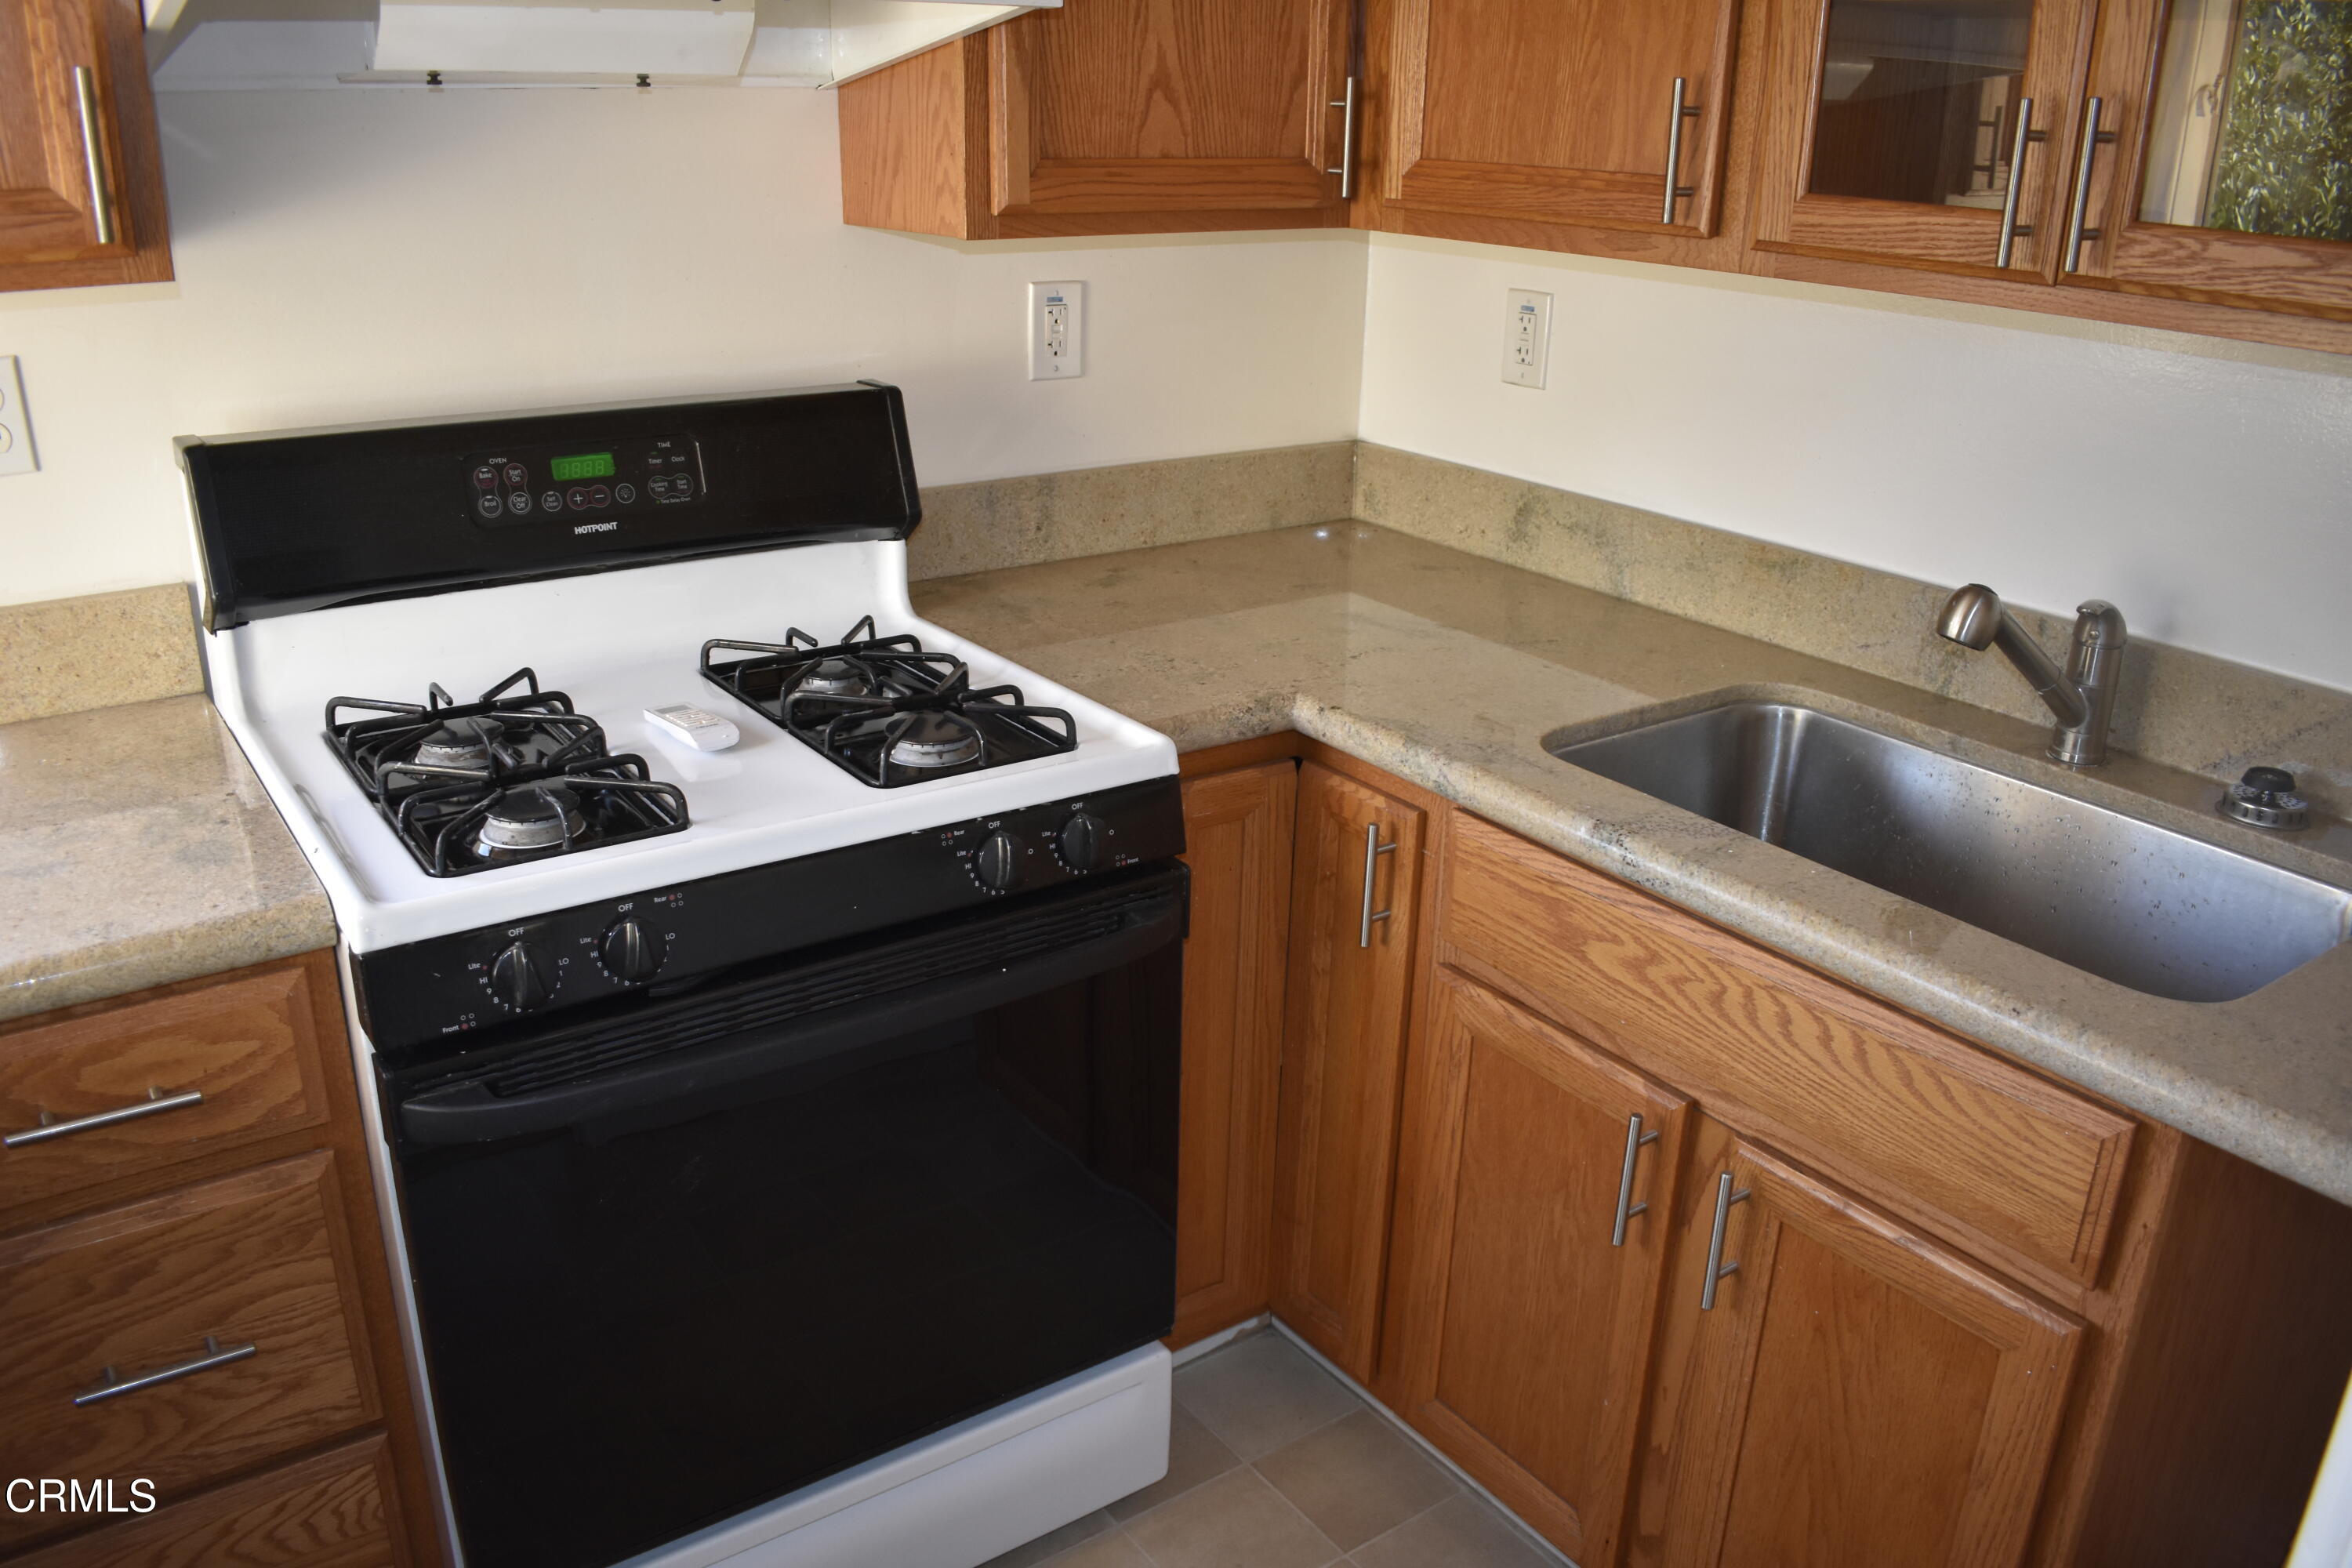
{"x":650,"y":1320}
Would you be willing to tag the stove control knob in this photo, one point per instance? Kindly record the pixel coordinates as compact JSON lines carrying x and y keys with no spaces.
{"x":522,"y":977}
{"x":1080,"y":844}
{"x":997,"y":862}
{"x":628,"y":954}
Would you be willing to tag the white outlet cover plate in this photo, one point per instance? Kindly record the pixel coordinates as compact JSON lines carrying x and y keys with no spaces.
{"x":1527,"y":336}
{"x":16,"y":432}
{"x":1057,"y":331}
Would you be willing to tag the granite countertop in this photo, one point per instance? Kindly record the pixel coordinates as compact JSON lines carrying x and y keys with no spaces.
{"x":136,"y":849}
{"x":1452,"y":672}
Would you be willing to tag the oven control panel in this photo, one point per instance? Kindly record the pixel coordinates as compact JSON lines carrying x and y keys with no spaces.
{"x":437,"y":998}
{"x":583,"y":483}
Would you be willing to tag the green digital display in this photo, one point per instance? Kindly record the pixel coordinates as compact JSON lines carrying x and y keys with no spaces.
{"x":586,"y":466}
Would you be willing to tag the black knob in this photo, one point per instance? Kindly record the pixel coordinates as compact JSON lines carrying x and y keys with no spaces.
{"x":522,"y":978}
{"x":997,"y":862}
{"x":628,"y":954}
{"x":1080,"y":844}
{"x":2266,"y":782}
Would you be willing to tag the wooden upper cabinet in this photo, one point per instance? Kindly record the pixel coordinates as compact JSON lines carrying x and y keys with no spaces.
{"x":1108,"y":117}
{"x":1237,"y":829}
{"x":80,"y":186}
{"x":2218,"y":168}
{"x":1355,"y":877}
{"x":1532,"y":1215}
{"x":1855,"y":1397}
{"x":1919,"y":132}
{"x":1559,"y":112}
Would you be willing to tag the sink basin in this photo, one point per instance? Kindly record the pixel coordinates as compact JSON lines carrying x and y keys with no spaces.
{"x":2124,"y":899}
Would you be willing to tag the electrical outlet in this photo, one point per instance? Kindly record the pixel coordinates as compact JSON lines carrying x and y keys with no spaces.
{"x":1527,"y":337}
{"x":1057,"y":331}
{"x":16,"y":433}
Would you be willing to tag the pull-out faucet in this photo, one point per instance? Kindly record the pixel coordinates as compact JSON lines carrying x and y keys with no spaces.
{"x":2081,"y":696}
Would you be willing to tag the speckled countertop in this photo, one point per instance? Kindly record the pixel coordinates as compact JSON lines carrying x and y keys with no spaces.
{"x":136,"y":849}
{"x":1451,"y":671}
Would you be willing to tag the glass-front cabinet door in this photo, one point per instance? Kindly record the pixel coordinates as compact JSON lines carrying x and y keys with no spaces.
{"x":1922,"y":133}
{"x":2213,"y":154}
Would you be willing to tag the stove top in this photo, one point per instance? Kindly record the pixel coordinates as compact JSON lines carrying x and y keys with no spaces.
{"x":516,"y":775}
{"x":884,"y":710}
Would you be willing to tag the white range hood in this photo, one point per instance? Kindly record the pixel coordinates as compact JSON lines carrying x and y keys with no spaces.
{"x":224,"y":44}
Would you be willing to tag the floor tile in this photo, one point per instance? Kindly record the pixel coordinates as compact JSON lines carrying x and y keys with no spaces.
{"x":1235,"y":1521}
{"x":1194,"y":1455}
{"x":1260,"y":1392}
{"x":1356,"y":1479}
{"x":1116,"y":1550}
{"x":1464,"y":1532}
{"x":1052,"y":1542}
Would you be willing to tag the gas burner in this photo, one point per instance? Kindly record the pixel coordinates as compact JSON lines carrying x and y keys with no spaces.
{"x":464,"y":744}
{"x":515,"y":775}
{"x":885,"y":709}
{"x":936,"y":741}
{"x":861,"y":665}
{"x":530,"y":818}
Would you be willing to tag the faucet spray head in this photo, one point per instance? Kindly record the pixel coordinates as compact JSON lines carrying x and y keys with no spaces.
{"x":1971,"y":617}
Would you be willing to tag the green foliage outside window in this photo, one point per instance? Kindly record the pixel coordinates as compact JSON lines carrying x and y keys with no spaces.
{"x":2286,"y":164}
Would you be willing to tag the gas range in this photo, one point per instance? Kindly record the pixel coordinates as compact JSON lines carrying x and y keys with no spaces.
{"x":644,"y":1027}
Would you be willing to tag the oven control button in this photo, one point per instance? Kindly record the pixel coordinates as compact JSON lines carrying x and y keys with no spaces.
{"x":628,"y":954}
{"x":522,"y":978}
{"x":1079,"y":844}
{"x":997,"y":862}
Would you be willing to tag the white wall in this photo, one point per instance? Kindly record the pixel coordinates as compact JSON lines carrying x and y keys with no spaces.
{"x":2206,"y":489}
{"x":364,"y":253}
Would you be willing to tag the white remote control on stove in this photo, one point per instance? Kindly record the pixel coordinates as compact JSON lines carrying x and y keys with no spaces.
{"x":698,"y":727}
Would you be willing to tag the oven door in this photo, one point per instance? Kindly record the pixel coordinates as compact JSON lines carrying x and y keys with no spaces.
{"x":679,"y":1261}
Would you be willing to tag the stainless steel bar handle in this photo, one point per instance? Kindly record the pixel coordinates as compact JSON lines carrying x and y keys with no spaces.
{"x":156,"y":1102}
{"x":2091,"y":137}
{"x":2011,"y":231}
{"x":1716,"y":1268}
{"x":215,"y":1354}
{"x":1679,"y":112}
{"x":1626,"y":1207}
{"x":101,"y":192}
{"x":1373,"y":851}
{"x":1347,"y":169}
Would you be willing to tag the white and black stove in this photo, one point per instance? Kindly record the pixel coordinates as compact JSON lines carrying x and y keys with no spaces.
{"x":789,"y":1118}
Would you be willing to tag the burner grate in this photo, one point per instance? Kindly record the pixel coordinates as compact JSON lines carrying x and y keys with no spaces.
{"x":517,"y":747}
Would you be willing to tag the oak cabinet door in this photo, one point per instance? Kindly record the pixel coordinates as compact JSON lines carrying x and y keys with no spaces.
{"x":2216,"y":169}
{"x":1237,"y":829}
{"x":1531,"y":1234}
{"x":1354,"y":880}
{"x":1560,"y":111}
{"x":1857,"y":1395}
{"x":80,"y":190}
{"x":1168,"y":106}
{"x":1920,"y":132}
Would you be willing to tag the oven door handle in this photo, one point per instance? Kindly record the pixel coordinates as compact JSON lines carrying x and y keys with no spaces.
{"x":468,"y":1112}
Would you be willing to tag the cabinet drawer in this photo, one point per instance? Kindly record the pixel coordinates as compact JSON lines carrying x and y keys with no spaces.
{"x":326,"y":1511}
{"x":1902,"y":1107}
{"x":255,"y":1258}
{"x":248,"y":1047}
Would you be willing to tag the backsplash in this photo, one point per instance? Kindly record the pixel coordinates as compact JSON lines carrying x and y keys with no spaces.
{"x":67,"y":656}
{"x":993,"y":523}
{"x":2185,"y":709}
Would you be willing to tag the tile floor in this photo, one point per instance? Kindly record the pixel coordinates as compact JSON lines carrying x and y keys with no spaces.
{"x":1273,"y":1463}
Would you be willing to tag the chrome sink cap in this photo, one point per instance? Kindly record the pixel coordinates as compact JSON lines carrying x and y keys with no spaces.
{"x":2265,"y":797}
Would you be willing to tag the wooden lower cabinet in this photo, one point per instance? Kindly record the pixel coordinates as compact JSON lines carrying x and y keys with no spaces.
{"x":1857,"y":1395}
{"x":240,"y":1212}
{"x":1237,"y":833}
{"x":1539,"y":1176}
{"x":1356,"y":878}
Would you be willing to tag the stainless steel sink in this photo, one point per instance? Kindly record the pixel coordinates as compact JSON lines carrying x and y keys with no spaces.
{"x":2129,"y":902}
